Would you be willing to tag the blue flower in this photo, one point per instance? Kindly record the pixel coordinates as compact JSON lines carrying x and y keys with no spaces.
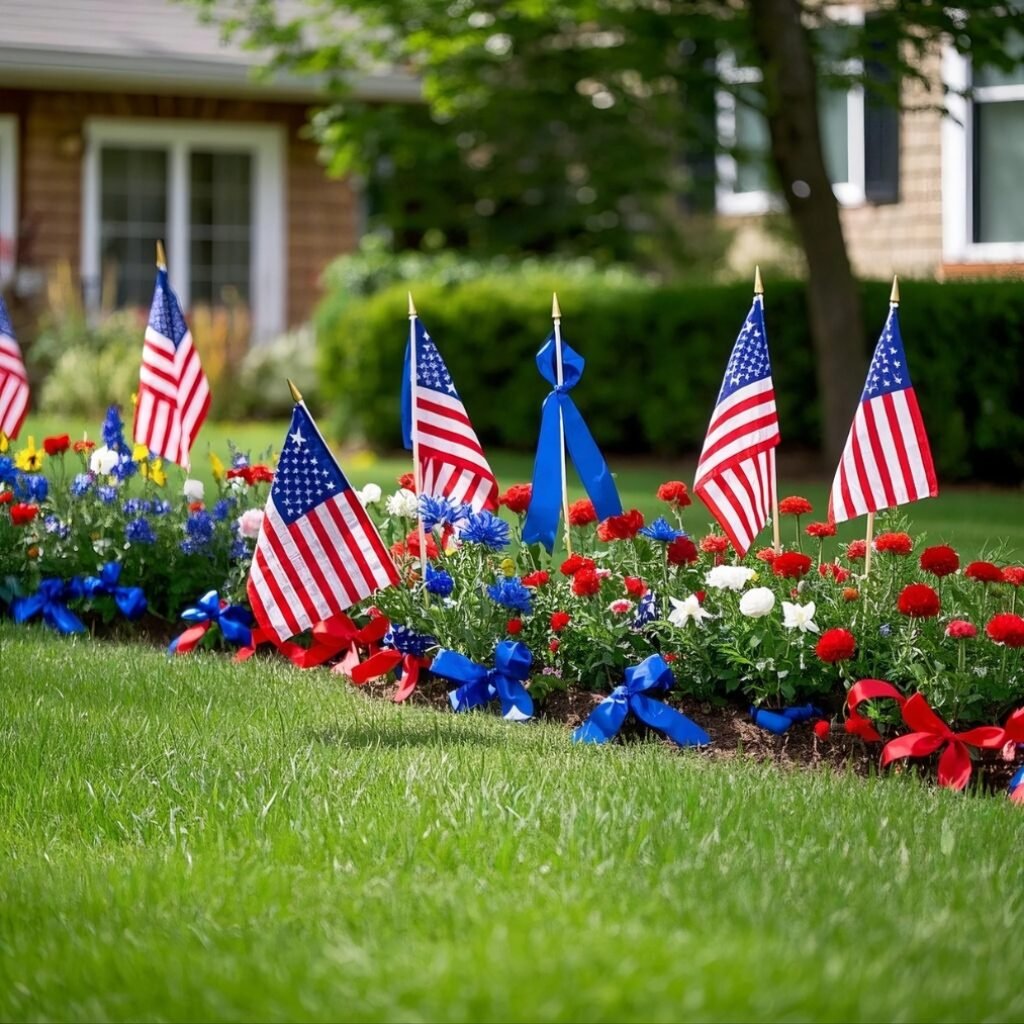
{"x":125,"y":468}
{"x":510,"y":593}
{"x":161,"y":508}
{"x":223,"y":509}
{"x":113,"y":429}
{"x":53,"y":525}
{"x":81,"y":485}
{"x":884,"y":629}
{"x":138,"y":531}
{"x":191,"y":547}
{"x":646,"y":610}
{"x":107,"y":494}
{"x":662,"y":531}
{"x":135,"y":506}
{"x":408,"y":641}
{"x":485,"y":528}
{"x":239,"y":550}
{"x":7,"y":470}
{"x":440,"y":512}
{"x":199,"y":527}
{"x":29,"y":487}
{"x":439,"y":582}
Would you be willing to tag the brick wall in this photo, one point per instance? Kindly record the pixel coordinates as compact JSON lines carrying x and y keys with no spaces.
{"x":321,"y":213}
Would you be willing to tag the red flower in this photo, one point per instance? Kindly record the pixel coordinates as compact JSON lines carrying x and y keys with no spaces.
{"x":514,"y":626}
{"x":850,"y":593}
{"x":411,"y":547}
{"x":984,"y":572}
{"x":714,"y":544}
{"x":83,"y":446}
{"x":766,"y":555}
{"x":795,"y":506}
{"x":623,"y":527}
{"x":635,"y":586}
{"x":836,"y":645}
{"x":574,"y":563}
{"x":961,"y":629}
{"x":196,"y":506}
{"x":407,"y":481}
{"x":791,"y":565}
{"x":674,"y":491}
{"x":536,"y":579}
{"x":919,"y":601}
{"x":582,"y":512}
{"x":682,"y":551}
{"x":554,"y":644}
{"x":670,"y":657}
{"x":856,"y":550}
{"x":1005,"y":629}
{"x":1014,"y":575}
{"x":559,"y":620}
{"x":894,"y":543}
{"x":940,"y":560}
{"x":821,"y":729}
{"x":57,"y":444}
{"x":835,"y":570}
{"x":586,"y":583}
{"x":820,"y":530}
{"x":260,"y":474}
{"x":6,"y":497}
{"x":517,"y":498}
{"x":23,"y":514}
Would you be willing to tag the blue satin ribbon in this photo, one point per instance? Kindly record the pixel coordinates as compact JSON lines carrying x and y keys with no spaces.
{"x":130,"y":601}
{"x":234,"y":620}
{"x":49,"y":601}
{"x":778,"y":722}
{"x":1017,"y":780}
{"x":479,"y":685}
{"x":546,"y":501}
{"x":652,"y":673}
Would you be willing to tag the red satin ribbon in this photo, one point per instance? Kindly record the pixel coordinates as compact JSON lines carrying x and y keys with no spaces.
{"x":1015,"y":727}
{"x":187,"y":641}
{"x":330,"y":638}
{"x":868,"y":689}
{"x":930,"y":733}
{"x":261,"y":636}
{"x":386,"y":661}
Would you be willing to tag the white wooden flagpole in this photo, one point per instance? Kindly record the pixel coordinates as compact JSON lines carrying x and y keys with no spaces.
{"x":556,"y":316}
{"x":417,"y":474}
{"x":776,"y":537}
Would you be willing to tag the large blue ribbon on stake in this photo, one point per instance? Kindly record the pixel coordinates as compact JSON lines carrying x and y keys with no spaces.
{"x":48,"y":601}
{"x":130,"y":601}
{"x":652,"y":673}
{"x":778,"y":722}
{"x":479,"y":685}
{"x":542,"y":516}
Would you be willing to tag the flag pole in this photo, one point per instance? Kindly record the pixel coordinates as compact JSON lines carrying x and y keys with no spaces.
{"x":556,"y":316}
{"x":161,"y":256}
{"x":776,"y":535}
{"x":417,"y":475}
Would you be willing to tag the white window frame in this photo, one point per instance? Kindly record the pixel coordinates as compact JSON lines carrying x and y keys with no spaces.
{"x":8,"y":195}
{"x":958,"y":245}
{"x":849,"y":193}
{"x":266,"y":143}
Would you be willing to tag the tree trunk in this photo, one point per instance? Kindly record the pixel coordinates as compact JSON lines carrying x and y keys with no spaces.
{"x":791,"y":104}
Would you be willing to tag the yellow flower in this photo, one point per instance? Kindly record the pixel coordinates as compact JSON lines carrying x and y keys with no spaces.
{"x":156,"y":472}
{"x":140,"y":453}
{"x":508,"y":567}
{"x":217,"y":466}
{"x":4,"y":443}
{"x":135,"y":398}
{"x":30,"y":459}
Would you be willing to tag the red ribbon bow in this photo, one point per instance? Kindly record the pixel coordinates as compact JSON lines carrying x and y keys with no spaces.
{"x":931,"y":733}
{"x":330,"y":637}
{"x":868,"y":689}
{"x":383,"y":662}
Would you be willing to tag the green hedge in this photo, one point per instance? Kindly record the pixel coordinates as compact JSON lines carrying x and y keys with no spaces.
{"x":655,"y":356}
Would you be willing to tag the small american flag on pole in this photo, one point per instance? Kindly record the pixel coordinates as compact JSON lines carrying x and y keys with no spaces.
{"x":174,"y":395}
{"x":736,"y":471}
{"x":887,"y":460}
{"x":317,"y":552}
{"x":452,"y":462}
{"x":13,"y":379}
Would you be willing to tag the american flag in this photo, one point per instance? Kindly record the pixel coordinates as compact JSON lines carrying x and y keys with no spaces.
{"x":13,"y":379}
{"x":174,"y":395}
{"x":452,"y":463}
{"x":886,"y":460}
{"x":736,"y":471}
{"x":317,"y":553}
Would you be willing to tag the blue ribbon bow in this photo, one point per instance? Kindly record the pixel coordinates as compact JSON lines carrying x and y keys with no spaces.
{"x":1017,"y":780}
{"x":652,"y":673}
{"x":234,"y":620}
{"x":778,"y":722}
{"x":546,"y":501}
{"x":130,"y":601}
{"x":512,"y":661}
{"x":49,"y":600}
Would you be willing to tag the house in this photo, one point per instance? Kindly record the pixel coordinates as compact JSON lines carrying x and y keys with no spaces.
{"x":124,"y":121}
{"x":921,"y":193}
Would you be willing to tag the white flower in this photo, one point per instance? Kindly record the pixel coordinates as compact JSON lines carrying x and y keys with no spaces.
{"x":686,"y":611}
{"x":757,"y":603}
{"x":103,"y":460}
{"x":729,"y":577}
{"x":403,"y":504}
{"x":249,"y":523}
{"x":194,"y":490}
{"x":799,"y":616}
{"x":369,"y":495}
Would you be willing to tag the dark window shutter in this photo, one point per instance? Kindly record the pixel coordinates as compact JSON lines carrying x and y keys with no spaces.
{"x":881,"y":132}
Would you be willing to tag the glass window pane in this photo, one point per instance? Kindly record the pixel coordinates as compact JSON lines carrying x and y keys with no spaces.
{"x":991,"y":76}
{"x":220,"y":226}
{"x":832,"y":112}
{"x":133,"y":215}
{"x":752,"y":145}
{"x":999,"y":169}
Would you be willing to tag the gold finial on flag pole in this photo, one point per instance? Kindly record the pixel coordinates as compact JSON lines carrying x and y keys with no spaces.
{"x":296,"y":394}
{"x":161,"y":256}
{"x":758,"y":283}
{"x":894,"y":295}
{"x":556,"y":313}
{"x":412,"y":305}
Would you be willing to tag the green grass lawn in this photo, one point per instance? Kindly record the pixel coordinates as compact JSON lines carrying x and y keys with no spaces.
{"x":192,"y":839}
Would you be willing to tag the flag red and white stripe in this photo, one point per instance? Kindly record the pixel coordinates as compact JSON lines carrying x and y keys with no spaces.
{"x":13,"y":379}
{"x":174,"y":395}
{"x":736,"y":472}
{"x":318,"y":552}
{"x":452,"y":461}
{"x":887,"y":460}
